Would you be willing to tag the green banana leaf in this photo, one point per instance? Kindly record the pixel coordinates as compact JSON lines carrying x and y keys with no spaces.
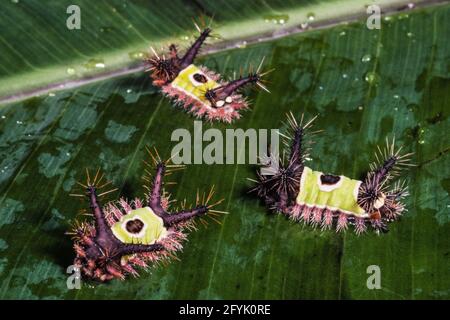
{"x":364,"y":85}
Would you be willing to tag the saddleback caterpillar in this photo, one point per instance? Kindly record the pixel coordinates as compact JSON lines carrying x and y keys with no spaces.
{"x":127,"y":235}
{"x":325,"y":200}
{"x":197,"y":89}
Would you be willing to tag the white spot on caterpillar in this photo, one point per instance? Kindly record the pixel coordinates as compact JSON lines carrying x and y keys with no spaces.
{"x":379,"y":202}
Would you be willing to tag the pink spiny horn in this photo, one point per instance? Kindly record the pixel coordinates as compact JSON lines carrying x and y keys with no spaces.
{"x":296,"y":210}
{"x":360,"y":225}
{"x":306,"y":214}
{"x":327,"y":219}
{"x":342,"y":223}
{"x":317,"y":216}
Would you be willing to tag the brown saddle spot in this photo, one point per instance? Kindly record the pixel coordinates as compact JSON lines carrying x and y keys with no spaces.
{"x":200,"y":78}
{"x":134,"y":226}
{"x":329,"y":179}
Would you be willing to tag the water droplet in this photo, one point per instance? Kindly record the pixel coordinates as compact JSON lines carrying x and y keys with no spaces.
{"x":3,"y":117}
{"x":67,"y":154}
{"x":387,"y":18}
{"x":304,"y":25}
{"x":94,"y":63}
{"x":15,"y":1}
{"x":106,"y":29}
{"x":311,"y":16}
{"x":136,"y":55}
{"x":410,"y":34}
{"x":371,"y":77}
{"x":51,"y":94}
{"x":19,"y":122}
{"x":396,"y":96}
{"x":70,"y":70}
{"x":396,"y":109}
{"x":129,"y":90}
{"x":113,"y":9}
{"x":421,"y":141}
{"x":343,"y":33}
{"x":345,"y":76}
{"x":366,"y":58}
{"x":241,"y":44}
{"x":276,"y":18}
{"x":360,"y":108}
{"x":320,"y":88}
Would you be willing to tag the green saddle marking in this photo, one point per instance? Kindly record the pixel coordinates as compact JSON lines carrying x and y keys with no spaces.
{"x":186,"y":83}
{"x":153,"y":227}
{"x":342,"y":195}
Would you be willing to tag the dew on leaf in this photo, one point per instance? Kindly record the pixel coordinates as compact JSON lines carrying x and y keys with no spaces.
{"x":366,"y":58}
{"x":241,"y":44}
{"x":276,"y":18}
{"x":311,"y":16}
{"x":136,"y":55}
{"x":106,"y":29}
{"x":94,"y":63}
{"x":371,"y":77}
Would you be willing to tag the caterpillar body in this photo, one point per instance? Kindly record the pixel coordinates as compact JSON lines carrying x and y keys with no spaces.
{"x":196,"y":89}
{"x":126,"y":236}
{"x":326,"y":200}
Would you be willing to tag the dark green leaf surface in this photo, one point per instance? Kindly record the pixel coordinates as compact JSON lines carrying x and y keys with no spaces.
{"x":48,"y":141}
